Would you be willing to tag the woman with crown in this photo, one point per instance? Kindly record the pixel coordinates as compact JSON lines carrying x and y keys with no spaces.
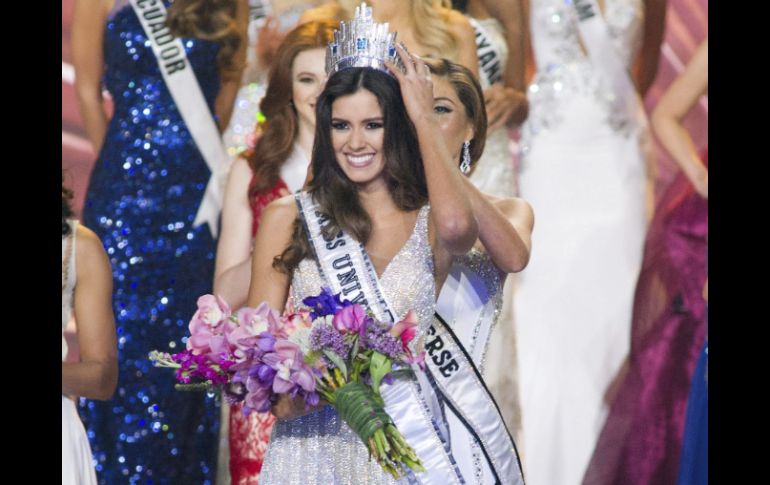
{"x":383,"y":217}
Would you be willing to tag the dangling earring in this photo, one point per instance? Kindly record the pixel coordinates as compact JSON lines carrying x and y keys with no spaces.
{"x":465,"y":164}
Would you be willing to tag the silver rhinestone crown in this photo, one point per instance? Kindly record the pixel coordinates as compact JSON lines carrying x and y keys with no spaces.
{"x":362,"y":42}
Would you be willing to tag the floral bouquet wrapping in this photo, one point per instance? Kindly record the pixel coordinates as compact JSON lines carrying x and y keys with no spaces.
{"x":333,"y":350}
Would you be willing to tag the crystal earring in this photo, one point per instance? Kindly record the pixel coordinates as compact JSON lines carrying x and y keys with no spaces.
{"x":465,"y":164}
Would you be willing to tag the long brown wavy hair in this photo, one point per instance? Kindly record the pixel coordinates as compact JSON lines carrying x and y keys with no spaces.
{"x":469,"y":91}
{"x":280,"y":128}
{"x":335,"y":194}
{"x":212,"y":20}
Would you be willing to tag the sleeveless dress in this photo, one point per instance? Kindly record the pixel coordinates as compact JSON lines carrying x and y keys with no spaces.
{"x":143,"y":195}
{"x":76,"y":465}
{"x":319,"y":448}
{"x":583,"y":172}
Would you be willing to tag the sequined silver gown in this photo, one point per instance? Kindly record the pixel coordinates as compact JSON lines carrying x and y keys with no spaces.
{"x":320,"y":449}
{"x":584,"y":174}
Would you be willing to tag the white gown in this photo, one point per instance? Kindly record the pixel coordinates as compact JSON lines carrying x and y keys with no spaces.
{"x":583,"y":171}
{"x":76,"y":465}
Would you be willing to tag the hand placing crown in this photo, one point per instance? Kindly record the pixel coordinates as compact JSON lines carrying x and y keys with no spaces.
{"x":362,"y":42}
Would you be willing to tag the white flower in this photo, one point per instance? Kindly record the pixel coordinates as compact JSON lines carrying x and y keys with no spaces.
{"x":301,"y":337}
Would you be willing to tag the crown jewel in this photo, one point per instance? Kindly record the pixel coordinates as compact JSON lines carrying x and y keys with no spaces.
{"x":362,"y":42}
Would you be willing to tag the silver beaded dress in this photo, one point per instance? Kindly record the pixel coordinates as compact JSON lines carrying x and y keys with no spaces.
{"x":319,"y":448}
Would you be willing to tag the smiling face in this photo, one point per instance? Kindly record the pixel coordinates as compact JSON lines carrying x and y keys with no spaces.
{"x":452,"y":118}
{"x":308,"y":76}
{"x":357,"y":136}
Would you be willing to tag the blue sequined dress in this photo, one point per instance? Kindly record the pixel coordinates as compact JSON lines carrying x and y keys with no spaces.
{"x":144,"y":192}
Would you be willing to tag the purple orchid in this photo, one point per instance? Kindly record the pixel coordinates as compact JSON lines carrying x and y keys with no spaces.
{"x":291,"y":371}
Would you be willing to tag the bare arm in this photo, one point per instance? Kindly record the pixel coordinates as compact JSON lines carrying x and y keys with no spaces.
{"x":232,"y":272}
{"x":507,"y":103}
{"x":96,"y":375}
{"x":667,"y":118}
{"x":231,"y":78}
{"x":88,"y":58}
{"x":646,"y":67}
{"x":274,"y":235}
{"x":505,"y":228}
{"x":451,"y":213}
{"x":530,"y":63}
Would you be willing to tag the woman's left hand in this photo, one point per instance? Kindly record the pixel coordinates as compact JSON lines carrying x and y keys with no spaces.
{"x":416,"y":86}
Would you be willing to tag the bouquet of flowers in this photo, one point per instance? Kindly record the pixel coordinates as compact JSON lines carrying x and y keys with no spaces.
{"x":332,"y":350}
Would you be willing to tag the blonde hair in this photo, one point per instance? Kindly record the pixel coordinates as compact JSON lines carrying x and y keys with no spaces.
{"x":429,"y":20}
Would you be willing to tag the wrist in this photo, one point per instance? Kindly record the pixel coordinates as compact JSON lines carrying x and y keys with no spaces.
{"x":426,"y":125}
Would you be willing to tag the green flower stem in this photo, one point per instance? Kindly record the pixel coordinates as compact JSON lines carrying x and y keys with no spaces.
{"x":381,"y":437}
{"x":414,"y":465}
{"x":364,"y":412}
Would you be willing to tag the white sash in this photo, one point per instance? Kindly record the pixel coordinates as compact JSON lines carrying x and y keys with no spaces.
{"x":596,"y":39}
{"x":470,"y":300}
{"x":463,"y":390}
{"x":190,"y":102}
{"x":343,"y":263}
{"x":490,"y":59}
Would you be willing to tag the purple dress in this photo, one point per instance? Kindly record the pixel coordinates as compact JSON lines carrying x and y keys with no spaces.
{"x":641,"y":440}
